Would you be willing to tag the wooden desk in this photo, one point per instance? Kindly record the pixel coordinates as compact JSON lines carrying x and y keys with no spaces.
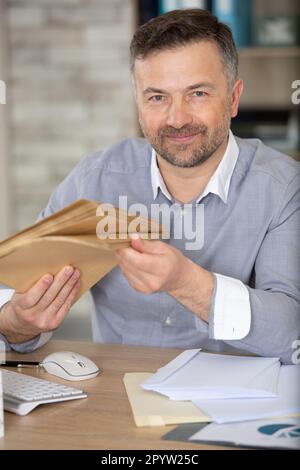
{"x":101,"y":421}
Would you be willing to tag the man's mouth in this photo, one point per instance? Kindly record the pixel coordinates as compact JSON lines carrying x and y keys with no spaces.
{"x":181,"y":139}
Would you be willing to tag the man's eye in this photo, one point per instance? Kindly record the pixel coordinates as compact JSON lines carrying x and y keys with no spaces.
{"x":200,"y":94}
{"x":156,"y":98}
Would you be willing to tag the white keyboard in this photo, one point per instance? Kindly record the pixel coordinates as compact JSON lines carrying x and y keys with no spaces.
{"x":22,"y":393}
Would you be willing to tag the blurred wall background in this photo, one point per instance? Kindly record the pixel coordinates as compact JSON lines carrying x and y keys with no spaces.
{"x":69,"y":90}
{"x":65,"y":64}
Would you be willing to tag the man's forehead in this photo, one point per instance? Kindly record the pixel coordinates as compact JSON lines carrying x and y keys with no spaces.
{"x":198,"y":49}
{"x":179,"y":67}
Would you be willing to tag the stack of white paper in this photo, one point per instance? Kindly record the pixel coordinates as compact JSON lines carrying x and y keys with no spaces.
{"x":287,"y":402}
{"x":195,"y":375}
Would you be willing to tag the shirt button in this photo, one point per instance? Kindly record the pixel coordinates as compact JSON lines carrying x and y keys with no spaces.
{"x":168,"y":321}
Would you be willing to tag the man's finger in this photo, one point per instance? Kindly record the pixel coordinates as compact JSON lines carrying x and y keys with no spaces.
{"x":36,"y":292}
{"x":135,"y":282}
{"x":63,"y":294}
{"x":60,"y":280}
{"x":137,"y":243}
{"x":141,"y":262}
{"x":147,"y":246}
{"x":64,"y":310}
{"x":141,"y":278}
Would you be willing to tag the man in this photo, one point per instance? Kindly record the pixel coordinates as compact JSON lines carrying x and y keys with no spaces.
{"x":241,"y":288}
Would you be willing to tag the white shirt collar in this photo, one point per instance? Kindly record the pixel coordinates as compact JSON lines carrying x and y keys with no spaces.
{"x":218,"y":183}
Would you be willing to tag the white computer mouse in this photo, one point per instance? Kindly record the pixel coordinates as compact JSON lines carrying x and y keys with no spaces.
{"x":70,"y":366}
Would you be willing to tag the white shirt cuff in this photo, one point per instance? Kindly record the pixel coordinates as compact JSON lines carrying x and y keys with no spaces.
{"x":231,"y":316}
{"x":44,"y":338}
{"x":5,"y":296}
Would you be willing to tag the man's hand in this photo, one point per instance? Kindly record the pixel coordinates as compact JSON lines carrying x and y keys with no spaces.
{"x":42,"y":308}
{"x":153,"y":266}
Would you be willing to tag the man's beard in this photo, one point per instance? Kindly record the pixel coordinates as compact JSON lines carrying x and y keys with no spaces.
{"x":189,"y":155}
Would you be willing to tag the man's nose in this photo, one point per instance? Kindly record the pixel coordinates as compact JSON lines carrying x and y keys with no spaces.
{"x":178,"y":115}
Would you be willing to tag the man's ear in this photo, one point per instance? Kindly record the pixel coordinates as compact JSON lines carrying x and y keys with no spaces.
{"x":236,"y":94}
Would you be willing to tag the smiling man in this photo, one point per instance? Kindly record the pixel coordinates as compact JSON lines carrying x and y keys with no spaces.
{"x":185,"y":113}
{"x":241,"y":288}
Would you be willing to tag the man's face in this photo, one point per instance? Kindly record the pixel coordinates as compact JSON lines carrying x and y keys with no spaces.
{"x":184,"y":104}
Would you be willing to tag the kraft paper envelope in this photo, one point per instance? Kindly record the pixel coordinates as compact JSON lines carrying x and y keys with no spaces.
{"x":69,"y":237}
{"x":49,"y":254}
{"x":79,"y":218}
{"x":152,"y":409}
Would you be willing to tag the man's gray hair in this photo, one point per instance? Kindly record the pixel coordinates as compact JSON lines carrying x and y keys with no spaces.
{"x":180,"y":27}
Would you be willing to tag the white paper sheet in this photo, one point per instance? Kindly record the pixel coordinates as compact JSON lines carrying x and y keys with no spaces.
{"x":197,"y":375}
{"x":275,"y":433}
{"x":287,"y":402}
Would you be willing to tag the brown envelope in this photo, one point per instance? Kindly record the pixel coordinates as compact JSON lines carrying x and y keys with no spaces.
{"x":65,"y":238}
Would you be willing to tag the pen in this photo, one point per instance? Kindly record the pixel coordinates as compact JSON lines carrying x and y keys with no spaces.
{"x":20,"y":364}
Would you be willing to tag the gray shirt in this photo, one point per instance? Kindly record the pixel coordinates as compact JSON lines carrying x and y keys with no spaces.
{"x":252,"y":237}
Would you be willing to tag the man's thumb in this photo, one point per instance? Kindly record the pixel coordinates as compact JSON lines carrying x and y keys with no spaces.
{"x":143,"y":246}
{"x":137,"y":243}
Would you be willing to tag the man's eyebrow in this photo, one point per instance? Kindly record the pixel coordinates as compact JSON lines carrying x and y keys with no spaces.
{"x":189,"y":88}
{"x":153,"y":90}
{"x":201,"y":85}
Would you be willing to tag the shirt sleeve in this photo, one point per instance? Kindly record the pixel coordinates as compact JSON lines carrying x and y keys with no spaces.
{"x":5,"y":296}
{"x":27,"y":346}
{"x":230,"y":317}
{"x":274,"y":293}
